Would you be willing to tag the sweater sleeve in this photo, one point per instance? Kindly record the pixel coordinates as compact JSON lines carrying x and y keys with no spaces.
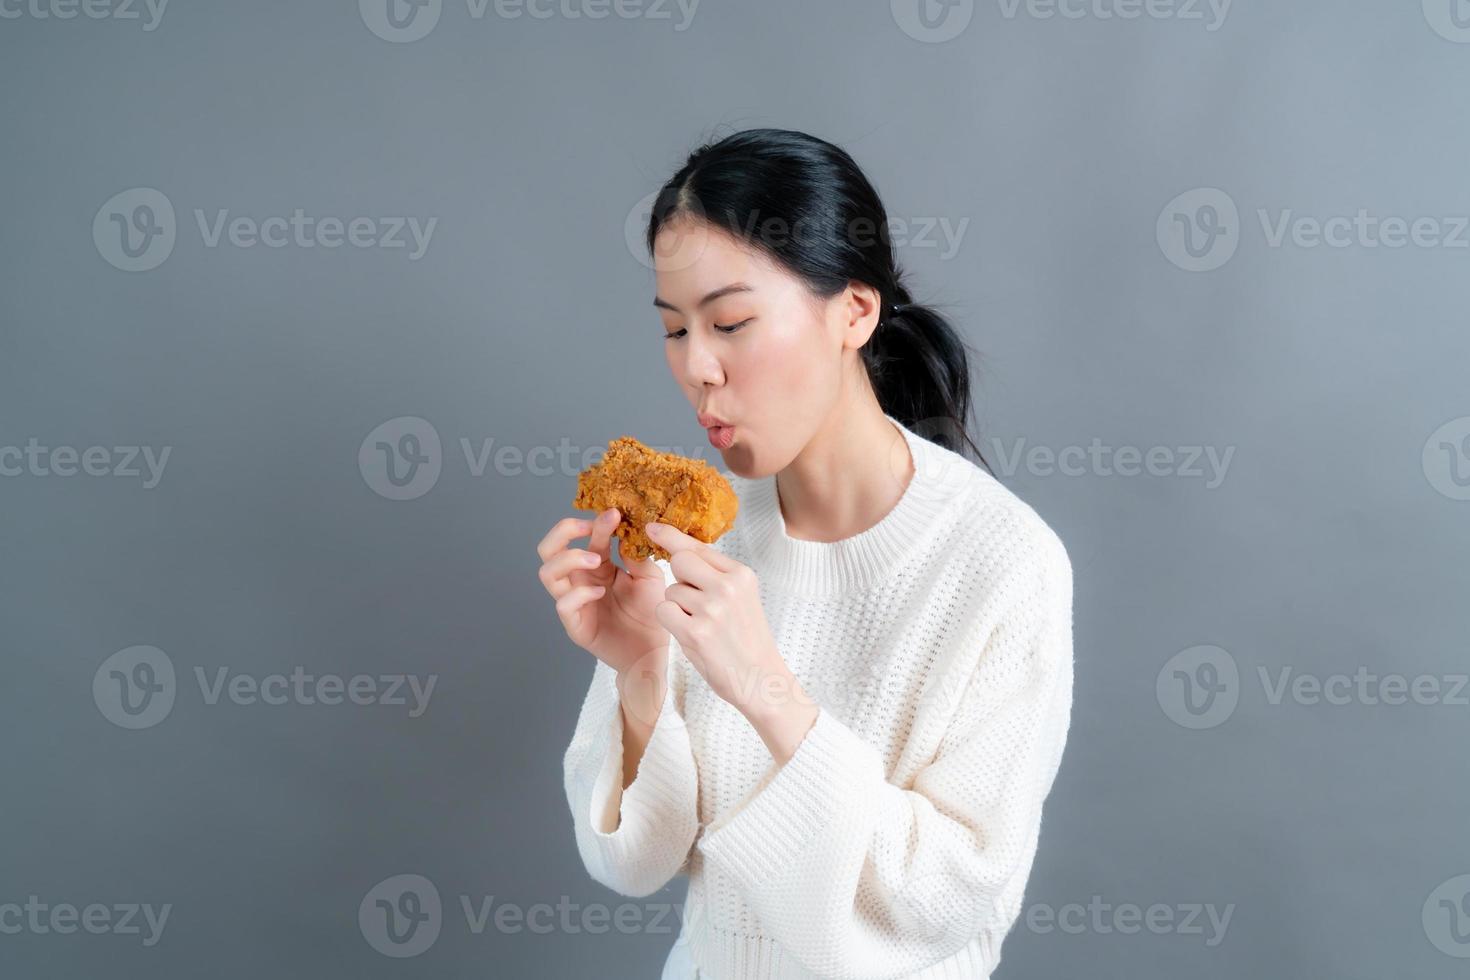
{"x":856,"y":877}
{"x":632,"y":840}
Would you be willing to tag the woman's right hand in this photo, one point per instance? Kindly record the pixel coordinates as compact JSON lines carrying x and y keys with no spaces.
{"x":606,"y":610}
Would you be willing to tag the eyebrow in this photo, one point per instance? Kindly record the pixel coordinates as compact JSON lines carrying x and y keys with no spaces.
{"x":734,"y":287}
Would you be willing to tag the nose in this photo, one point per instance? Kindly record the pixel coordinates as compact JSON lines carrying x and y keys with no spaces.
{"x":701,"y":365}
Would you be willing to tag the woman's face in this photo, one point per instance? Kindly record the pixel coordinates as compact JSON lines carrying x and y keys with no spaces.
{"x":778,"y":374}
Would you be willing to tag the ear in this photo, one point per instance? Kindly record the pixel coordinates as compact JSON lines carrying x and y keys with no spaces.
{"x":862,"y":308}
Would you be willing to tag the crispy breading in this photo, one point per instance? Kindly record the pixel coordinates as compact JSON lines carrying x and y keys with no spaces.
{"x":647,"y":485}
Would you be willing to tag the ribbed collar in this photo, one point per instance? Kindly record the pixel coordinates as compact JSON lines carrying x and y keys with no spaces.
{"x":865,"y":558}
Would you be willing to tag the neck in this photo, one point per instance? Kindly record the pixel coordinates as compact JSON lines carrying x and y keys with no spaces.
{"x":850,"y":474}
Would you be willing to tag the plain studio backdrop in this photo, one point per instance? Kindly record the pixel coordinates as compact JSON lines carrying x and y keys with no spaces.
{"x":310,"y":313}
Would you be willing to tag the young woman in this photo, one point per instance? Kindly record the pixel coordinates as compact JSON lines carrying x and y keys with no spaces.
{"x":842,"y":718}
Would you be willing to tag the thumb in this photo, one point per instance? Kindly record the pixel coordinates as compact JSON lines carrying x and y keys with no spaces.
{"x":647,"y":568}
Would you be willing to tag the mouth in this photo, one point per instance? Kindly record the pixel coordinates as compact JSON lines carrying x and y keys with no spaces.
{"x":712,"y":421}
{"x":721,"y":436}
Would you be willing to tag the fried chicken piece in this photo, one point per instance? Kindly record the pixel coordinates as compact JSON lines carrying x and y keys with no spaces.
{"x":647,"y":485}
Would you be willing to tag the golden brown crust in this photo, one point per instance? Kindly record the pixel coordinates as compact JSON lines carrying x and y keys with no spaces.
{"x":647,"y":485}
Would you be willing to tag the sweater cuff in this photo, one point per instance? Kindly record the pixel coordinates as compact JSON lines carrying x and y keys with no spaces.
{"x":659,"y":786}
{"x":832,"y":774}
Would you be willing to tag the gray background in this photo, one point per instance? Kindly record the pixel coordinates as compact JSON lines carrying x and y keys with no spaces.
{"x":1333,"y":543}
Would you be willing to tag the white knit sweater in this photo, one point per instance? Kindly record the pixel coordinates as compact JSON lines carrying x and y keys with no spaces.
{"x":897,"y":841}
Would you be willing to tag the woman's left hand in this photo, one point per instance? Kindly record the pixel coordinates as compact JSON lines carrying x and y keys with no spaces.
{"x":714,"y":611}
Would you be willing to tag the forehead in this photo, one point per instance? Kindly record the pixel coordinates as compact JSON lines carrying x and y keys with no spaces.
{"x":692,"y":258}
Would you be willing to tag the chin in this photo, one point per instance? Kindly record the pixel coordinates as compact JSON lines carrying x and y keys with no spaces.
{"x":739,"y":462}
{"x":746,"y":466}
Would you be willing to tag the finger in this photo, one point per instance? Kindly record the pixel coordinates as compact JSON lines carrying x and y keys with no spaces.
{"x":602,"y":529}
{"x":694,"y":568}
{"x":639,"y":569}
{"x":560,"y":534}
{"x":676,"y":621}
{"x":569,"y":606}
{"x":557,"y":574}
{"x":673,"y":540}
{"x":691,"y":600}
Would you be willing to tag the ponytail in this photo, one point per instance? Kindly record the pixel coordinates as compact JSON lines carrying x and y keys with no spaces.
{"x":920,"y":370}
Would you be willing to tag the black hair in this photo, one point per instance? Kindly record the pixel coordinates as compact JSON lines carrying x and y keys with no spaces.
{"x":806,"y":204}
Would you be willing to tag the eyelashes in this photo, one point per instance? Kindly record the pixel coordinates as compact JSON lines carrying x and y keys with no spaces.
{"x":726,"y":330}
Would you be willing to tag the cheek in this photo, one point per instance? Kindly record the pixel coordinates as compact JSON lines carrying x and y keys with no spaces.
{"x":788,"y":369}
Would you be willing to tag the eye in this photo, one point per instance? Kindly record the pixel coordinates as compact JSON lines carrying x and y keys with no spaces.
{"x":730,"y":329}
